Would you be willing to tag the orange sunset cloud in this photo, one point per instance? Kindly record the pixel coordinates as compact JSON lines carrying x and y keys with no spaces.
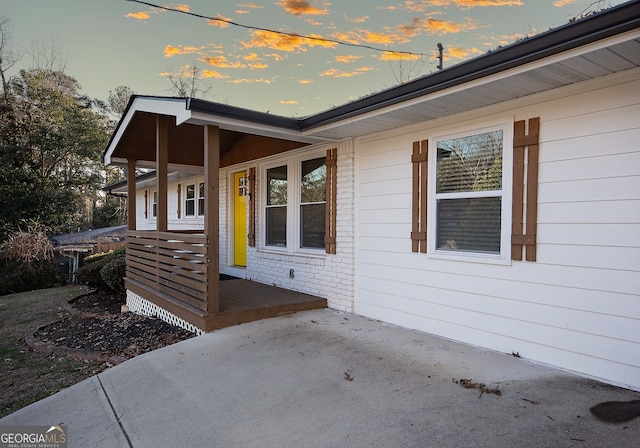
{"x":356,"y":19}
{"x":458,"y":53}
{"x":206,"y":73}
{"x":146,"y":15}
{"x":182,"y":7}
{"x":435,"y":26}
{"x":283,"y":42}
{"x":251,"y":81}
{"x":222,"y":62}
{"x":301,"y":7}
{"x":347,"y":58}
{"x":170,"y":50}
{"x":393,"y":56}
{"x":139,"y":15}
{"x":335,"y":73}
{"x":468,"y":4}
{"x":219,"y":21}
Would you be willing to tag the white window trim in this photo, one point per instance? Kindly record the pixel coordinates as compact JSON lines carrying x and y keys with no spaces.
{"x":504,"y":257}
{"x":198,"y":198}
{"x":194,"y":199}
{"x":294,"y":168}
{"x":153,"y":200}
{"x":196,"y":183}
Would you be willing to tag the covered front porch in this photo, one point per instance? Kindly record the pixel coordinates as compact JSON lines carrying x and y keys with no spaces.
{"x":169,"y":270}
{"x":175,"y":273}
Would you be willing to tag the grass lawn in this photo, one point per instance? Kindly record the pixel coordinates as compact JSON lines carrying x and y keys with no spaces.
{"x":26,"y":376}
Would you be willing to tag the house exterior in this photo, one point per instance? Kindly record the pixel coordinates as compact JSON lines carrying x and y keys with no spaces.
{"x":496,"y":202}
{"x":78,"y":245}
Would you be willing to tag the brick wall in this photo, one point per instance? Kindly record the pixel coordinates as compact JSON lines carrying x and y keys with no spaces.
{"x":327,"y":276}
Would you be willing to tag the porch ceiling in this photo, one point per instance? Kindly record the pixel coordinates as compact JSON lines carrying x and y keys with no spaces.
{"x":186,"y":143}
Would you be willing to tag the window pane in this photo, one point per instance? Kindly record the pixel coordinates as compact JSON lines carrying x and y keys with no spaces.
{"x":191,"y":191}
{"x":277,"y":186}
{"x":190,"y":207}
{"x":472,"y":163}
{"x":312,"y":225}
{"x":313,"y":182}
{"x":276,"y":226}
{"x":201,"y":198}
{"x":470,"y":224}
{"x":154,"y":205}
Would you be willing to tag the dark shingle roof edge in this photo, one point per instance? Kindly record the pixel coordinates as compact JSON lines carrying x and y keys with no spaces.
{"x":616,"y":20}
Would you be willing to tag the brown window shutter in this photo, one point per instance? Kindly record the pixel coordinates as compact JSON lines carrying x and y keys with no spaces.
{"x":146,"y":204}
{"x":419,"y":160}
{"x":251,"y":236}
{"x":525,"y":144}
{"x":331,"y":201}
{"x":179,"y":199}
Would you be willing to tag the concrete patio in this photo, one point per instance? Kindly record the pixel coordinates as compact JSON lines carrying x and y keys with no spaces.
{"x":324,"y":378}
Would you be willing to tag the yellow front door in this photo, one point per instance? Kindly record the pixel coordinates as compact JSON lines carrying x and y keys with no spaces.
{"x":240,"y":219}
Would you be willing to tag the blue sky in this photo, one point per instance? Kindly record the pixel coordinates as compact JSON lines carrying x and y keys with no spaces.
{"x":109,"y":43}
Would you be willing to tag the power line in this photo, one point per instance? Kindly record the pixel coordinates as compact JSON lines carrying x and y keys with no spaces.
{"x":283,"y":33}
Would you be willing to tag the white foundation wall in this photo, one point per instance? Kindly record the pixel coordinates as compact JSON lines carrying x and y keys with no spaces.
{"x":323,"y":275}
{"x":578,"y":306}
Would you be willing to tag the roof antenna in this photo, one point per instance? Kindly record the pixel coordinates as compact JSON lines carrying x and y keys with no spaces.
{"x":440,"y":48}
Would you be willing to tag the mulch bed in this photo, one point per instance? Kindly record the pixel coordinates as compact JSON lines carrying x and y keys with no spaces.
{"x":97,"y":329}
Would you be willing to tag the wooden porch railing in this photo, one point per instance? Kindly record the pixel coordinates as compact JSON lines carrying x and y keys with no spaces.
{"x":171,"y":263}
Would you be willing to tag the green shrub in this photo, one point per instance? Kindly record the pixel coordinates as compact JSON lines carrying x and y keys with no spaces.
{"x":113,"y":272}
{"x":104,"y":271}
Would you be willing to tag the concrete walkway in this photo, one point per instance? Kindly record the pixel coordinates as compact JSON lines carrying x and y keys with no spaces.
{"x":329,"y":379}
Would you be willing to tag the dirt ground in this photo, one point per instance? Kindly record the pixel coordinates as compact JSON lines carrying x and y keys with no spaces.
{"x":92,"y":323}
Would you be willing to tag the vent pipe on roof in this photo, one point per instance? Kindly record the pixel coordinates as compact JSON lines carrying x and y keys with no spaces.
{"x":440,"y":48}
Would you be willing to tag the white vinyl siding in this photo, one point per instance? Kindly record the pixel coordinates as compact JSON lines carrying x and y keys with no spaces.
{"x":578,"y":306}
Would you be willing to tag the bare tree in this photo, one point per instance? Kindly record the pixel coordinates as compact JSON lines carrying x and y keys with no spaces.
{"x":117,"y":101}
{"x":7,"y":58}
{"x":48,"y":57}
{"x":187,"y":84}
{"x":407,"y":68}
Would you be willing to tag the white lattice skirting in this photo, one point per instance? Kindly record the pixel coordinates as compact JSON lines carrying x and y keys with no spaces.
{"x":142,"y":306}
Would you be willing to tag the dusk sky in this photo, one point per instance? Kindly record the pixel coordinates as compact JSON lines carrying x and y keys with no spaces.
{"x":109,"y":43}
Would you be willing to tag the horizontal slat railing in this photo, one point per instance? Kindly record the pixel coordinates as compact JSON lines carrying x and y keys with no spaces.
{"x":171,"y":263}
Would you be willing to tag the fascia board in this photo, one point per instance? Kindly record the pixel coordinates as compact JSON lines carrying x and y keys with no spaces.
{"x":162,"y":106}
{"x":238,"y":125}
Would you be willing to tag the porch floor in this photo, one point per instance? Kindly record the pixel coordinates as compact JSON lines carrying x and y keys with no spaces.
{"x":244,"y":301}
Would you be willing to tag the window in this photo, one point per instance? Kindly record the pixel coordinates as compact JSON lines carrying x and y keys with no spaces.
{"x":193,"y":198}
{"x":154,"y":205}
{"x":276,"y":213}
{"x":295,"y":204}
{"x":471,"y":201}
{"x":313,"y":186}
{"x":201,"y":199}
{"x":190,"y":200}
